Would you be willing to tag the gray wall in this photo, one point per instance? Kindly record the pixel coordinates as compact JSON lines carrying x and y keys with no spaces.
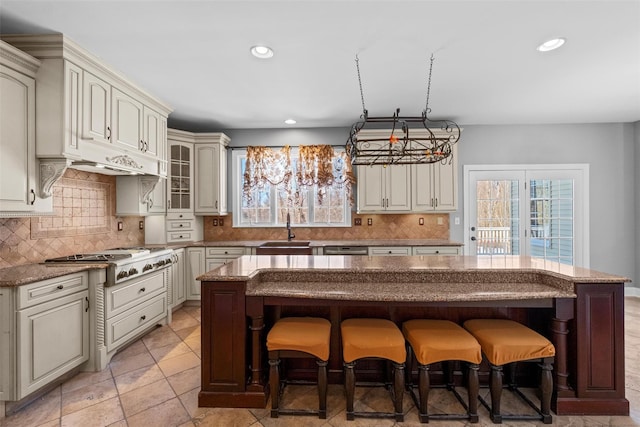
{"x":636,"y":180}
{"x":611,"y":150}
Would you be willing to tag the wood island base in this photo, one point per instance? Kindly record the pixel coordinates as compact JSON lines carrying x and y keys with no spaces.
{"x":586,"y":327}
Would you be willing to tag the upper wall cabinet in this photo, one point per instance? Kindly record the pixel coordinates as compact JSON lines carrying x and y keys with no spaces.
{"x":408,"y":188}
{"x":104,"y":118}
{"x":436,"y":185}
{"x":211,"y":173}
{"x":19,"y":195}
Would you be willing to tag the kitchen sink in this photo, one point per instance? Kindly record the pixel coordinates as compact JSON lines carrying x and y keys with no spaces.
{"x":284,"y":247}
{"x":285,"y":243}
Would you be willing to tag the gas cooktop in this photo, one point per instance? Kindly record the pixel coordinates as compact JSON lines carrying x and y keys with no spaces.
{"x":108,"y":255}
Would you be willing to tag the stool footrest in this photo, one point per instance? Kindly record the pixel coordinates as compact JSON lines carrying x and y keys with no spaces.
{"x":545,"y":418}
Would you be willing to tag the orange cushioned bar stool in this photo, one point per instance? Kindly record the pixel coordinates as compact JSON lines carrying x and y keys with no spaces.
{"x":506,"y":342}
{"x":373,"y":338}
{"x":298,"y":337}
{"x":433,"y":341}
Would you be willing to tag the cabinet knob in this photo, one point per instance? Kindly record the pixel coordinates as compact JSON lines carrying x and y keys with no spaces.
{"x":60,"y":287}
{"x":143,"y":317}
{"x":143,"y":289}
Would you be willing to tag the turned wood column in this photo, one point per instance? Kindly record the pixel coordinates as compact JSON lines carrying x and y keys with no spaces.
{"x":560,"y":337}
{"x":255,"y":312}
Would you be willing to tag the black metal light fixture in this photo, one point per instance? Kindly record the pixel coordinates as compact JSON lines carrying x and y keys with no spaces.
{"x":412,"y":140}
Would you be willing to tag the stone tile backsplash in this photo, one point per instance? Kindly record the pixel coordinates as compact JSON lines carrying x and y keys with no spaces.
{"x":83,"y":221}
{"x":383,"y":226}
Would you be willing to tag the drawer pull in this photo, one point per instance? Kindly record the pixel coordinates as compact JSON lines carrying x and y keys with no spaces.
{"x":60,"y":287}
{"x":142,"y":289}
{"x":143,"y":317}
{"x":180,"y":225}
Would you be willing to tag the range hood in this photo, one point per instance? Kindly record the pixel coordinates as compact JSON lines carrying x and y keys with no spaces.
{"x":95,"y":167}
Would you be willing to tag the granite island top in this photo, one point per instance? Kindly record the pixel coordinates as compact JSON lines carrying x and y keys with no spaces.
{"x":408,"y":279}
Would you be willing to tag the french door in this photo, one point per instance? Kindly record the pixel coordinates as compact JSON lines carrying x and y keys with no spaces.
{"x":535,"y":210}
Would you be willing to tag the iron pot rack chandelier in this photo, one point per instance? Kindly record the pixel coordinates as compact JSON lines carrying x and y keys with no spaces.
{"x":412,"y":140}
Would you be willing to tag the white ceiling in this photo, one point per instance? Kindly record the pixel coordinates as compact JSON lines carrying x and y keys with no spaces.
{"x":194,"y":55}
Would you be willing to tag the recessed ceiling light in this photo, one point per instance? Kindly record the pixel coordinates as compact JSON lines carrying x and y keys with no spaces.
{"x":262,"y":52}
{"x":551,"y":44}
{"x":290,"y":122}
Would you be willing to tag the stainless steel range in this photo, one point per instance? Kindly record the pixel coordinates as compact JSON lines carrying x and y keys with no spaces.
{"x":130,"y":300}
{"x":124,"y":263}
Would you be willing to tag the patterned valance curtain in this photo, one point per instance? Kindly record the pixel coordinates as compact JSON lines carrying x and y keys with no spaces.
{"x":317,"y":165}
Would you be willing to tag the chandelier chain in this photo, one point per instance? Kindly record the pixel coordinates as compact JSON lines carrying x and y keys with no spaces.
{"x":426,"y":107}
{"x":360,"y":83}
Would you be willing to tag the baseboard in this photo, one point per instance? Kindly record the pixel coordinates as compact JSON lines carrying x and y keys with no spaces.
{"x":631,"y":291}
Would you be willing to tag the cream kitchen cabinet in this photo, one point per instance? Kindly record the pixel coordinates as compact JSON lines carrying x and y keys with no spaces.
{"x":127,"y":122}
{"x":19,"y":189}
{"x":389,"y":250}
{"x":211,"y":173}
{"x":178,"y":275}
{"x":96,"y":109}
{"x":195,"y":266}
{"x":435,"y":186}
{"x":45,"y":333}
{"x":384,"y":189}
{"x":180,"y":177}
{"x":436,"y":250}
{"x":200,"y":260}
{"x":140,"y":195}
{"x":87,"y":113}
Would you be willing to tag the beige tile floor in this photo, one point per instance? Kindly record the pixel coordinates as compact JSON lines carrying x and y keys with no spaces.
{"x":155,"y":382}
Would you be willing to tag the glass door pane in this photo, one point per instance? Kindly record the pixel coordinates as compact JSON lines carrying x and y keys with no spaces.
{"x":551,"y":216}
{"x":498,"y":217}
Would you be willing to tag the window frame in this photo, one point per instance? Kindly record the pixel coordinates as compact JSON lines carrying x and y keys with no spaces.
{"x":237,"y":155}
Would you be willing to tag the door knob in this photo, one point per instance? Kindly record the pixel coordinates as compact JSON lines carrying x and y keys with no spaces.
{"x":473,"y":238}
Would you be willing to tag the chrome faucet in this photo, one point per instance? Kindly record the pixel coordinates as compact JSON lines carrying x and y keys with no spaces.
{"x":290,"y":235}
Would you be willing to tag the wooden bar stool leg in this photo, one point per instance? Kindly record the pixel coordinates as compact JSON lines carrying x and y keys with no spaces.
{"x":447,"y":370}
{"x":274,"y":383}
{"x":424,"y":387}
{"x":409,"y":370}
{"x":322,"y":389}
{"x":495,"y":387}
{"x":512,"y":375}
{"x":398,"y":390}
{"x":350,"y":387}
{"x":546,"y":389}
{"x":473,"y":387}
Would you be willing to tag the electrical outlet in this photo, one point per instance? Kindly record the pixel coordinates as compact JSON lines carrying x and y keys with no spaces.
{"x":221,"y":222}
{"x":440,"y":221}
{"x":357,"y":221}
{"x":369,"y":221}
{"x":120,"y":226}
{"x":456,"y":221}
{"x":215,"y":222}
{"x":420,"y":221}
{"x":141,"y":225}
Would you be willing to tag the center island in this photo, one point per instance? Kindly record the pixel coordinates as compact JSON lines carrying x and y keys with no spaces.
{"x":580,"y":310}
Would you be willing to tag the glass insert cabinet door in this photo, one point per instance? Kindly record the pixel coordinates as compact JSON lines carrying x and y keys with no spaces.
{"x":526,"y":212}
{"x":180,"y":182}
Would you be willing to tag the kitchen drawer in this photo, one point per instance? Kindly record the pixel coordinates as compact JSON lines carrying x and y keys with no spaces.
{"x":222,"y":252}
{"x":180,"y":225}
{"x":131,"y":293}
{"x":128,"y":324}
{"x":180,"y":236}
{"x":436,"y":250}
{"x":47,"y":290}
{"x":390,"y":250}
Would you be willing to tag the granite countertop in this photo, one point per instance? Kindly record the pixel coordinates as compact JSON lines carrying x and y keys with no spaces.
{"x":414,"y":278}
{"x":29,"y":273}
{"x":316,"y":243}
